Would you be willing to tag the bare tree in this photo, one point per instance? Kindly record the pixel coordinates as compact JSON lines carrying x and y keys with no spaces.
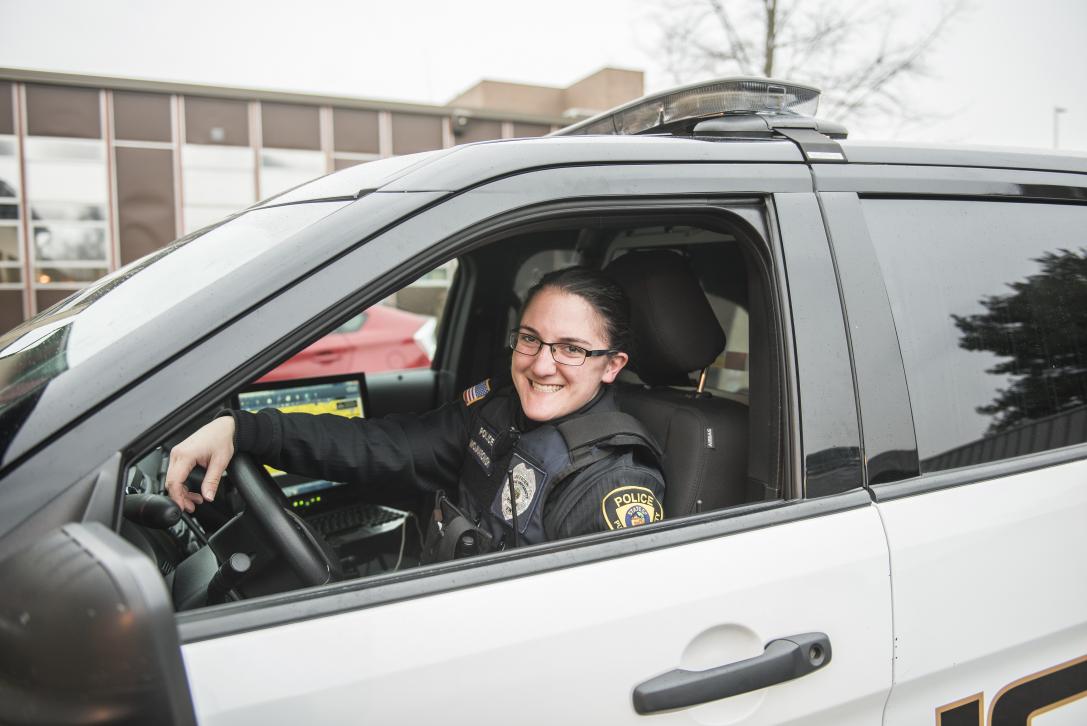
{"x":857,"y":52}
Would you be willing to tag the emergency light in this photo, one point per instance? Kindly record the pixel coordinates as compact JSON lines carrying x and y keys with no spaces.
{"x":722,"y":97}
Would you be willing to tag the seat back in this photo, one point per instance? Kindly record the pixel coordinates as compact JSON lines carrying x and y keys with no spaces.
{"x":705,"y":439}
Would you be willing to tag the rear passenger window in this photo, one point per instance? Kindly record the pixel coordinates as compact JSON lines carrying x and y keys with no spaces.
{"x":990,"y":304}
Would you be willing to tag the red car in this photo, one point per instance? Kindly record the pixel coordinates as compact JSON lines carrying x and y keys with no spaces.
{"x":380,"y":338}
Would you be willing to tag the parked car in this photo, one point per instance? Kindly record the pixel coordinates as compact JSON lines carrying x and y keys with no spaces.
{"x":875,"y":498}
{"x":380,"y":338}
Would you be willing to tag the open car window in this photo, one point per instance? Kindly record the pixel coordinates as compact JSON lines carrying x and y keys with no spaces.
{"x":373,"y":528}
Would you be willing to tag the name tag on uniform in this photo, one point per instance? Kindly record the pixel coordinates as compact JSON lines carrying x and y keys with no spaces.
{"x":481,"y":444}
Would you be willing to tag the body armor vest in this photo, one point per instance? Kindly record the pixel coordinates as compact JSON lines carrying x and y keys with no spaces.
{"x":504,"y":466}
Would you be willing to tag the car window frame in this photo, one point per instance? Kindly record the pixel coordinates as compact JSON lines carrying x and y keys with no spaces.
{"x":467,"y":212}
{"x":883,"y":392}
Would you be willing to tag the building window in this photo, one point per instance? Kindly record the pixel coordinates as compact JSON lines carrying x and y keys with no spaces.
{"x":467,"y":130}
{"x":283,"y":169}
{"x":67,"y":194}
{"x":142,"y":117}
{"x":355,"y":131}
{"x":145,"y":200}
{"x":11,"y":258}
{"x":7,"y":109}
{"x":218,"y":181}
{"x":521,"y":130}
{"x":413,"y":133}
{"x":290,"y":126}
{"x":216,"y":121}
{"x":355,"y":137}
{"x":63,"y":111}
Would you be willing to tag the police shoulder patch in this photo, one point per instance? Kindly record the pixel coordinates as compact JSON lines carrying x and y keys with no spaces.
{"x":630,"y":506}
{"x":477,"y":392}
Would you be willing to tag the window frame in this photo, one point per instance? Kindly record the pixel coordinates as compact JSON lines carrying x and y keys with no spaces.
{"x":16,"y":223}
{"x":92,"y":157}
{"x":390,"y":587}
{"x":383,"y":257}
{"x":883,"y":394}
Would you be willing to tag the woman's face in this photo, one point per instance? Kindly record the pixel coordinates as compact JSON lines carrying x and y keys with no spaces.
{"x":550,"y":390}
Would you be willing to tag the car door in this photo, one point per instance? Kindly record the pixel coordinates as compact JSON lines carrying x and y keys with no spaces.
{"x":979,"y":443}
{"x":565,"y":632}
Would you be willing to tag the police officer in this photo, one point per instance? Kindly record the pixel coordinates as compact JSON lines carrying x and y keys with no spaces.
{"x":549,"y":457}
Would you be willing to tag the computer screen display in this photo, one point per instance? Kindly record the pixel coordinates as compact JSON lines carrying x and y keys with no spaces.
{"x":343,"y":397}
{"x":337,"y":396}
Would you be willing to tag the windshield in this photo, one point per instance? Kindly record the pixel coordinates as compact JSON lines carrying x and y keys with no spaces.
{"x":95,"y":318}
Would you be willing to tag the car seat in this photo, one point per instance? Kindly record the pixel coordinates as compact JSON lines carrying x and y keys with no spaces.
{"x":705,"y":439}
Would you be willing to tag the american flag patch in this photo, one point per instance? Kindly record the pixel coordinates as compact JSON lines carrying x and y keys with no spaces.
{"x":477,"y":392}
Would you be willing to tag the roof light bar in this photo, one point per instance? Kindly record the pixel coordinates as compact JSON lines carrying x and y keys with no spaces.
{"x":762,"y":96}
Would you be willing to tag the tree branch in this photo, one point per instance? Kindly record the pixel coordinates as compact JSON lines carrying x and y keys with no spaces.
{"x":827,"y":43}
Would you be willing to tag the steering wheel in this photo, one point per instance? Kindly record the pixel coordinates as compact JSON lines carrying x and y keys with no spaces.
{"x":303,"y":551}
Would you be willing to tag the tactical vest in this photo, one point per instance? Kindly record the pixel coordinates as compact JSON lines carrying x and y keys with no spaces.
{"x":503,"y":464}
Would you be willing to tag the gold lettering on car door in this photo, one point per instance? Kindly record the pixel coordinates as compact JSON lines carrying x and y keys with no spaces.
{"x":1017,"y":703}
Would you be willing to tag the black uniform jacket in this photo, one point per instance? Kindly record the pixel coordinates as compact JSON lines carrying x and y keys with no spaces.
{"x":430,"y":450}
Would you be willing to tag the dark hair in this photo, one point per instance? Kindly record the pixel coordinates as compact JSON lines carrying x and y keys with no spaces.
{"x":601,"y":292}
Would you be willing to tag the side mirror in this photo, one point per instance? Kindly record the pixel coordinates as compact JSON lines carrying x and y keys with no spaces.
{"x":87,"y":635}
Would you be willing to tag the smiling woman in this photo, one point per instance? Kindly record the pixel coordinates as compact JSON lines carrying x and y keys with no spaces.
{"x":528,"y":465}
{"x":581,"y":312}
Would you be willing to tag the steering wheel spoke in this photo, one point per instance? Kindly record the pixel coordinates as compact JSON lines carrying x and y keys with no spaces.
{"x":299,"y":546}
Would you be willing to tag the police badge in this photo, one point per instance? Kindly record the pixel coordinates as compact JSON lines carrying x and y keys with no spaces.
{"x":524,"y":487}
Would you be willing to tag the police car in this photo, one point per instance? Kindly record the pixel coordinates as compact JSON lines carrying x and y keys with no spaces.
{"x":876,"y":510}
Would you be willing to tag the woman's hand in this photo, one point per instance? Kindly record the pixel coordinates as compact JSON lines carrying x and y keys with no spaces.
{"x":212,"y":447}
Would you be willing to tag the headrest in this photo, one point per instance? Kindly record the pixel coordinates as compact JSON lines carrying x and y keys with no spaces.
{"x":675,"y":330}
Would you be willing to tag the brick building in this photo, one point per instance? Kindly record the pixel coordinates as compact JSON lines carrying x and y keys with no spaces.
{"x":96,"y":172}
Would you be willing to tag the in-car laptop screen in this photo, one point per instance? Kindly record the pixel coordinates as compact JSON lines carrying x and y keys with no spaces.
{"x":341,"y":396}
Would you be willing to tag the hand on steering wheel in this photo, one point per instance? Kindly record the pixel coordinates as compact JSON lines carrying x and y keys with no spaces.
{"x":211,"y":446}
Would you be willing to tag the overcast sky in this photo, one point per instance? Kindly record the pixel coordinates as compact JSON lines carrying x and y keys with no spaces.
{"x":998,"y":73}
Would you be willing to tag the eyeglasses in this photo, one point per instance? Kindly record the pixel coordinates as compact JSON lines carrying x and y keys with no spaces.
{"x":567,"y":354}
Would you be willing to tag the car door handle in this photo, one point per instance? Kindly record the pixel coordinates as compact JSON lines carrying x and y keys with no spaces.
{"x":783,"y":660}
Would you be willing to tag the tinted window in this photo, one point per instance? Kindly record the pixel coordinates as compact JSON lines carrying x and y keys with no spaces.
{"x":990,"y":303}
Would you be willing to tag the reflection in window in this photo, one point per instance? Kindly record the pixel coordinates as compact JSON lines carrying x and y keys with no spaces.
{"x":67,"y":194}
{"x":218,"y":181}
{"x":9,"y":244}
{"x":1037,"y":327}
{"x":990,"y":303}
{"x":10,"y":256}
{"x":69,"y":170}
{"x":69,"y":242}
{"x":68,"y":274}
{"x":9,"y":168}
{"x":68,"y":212}
{"x":283,"y":169}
